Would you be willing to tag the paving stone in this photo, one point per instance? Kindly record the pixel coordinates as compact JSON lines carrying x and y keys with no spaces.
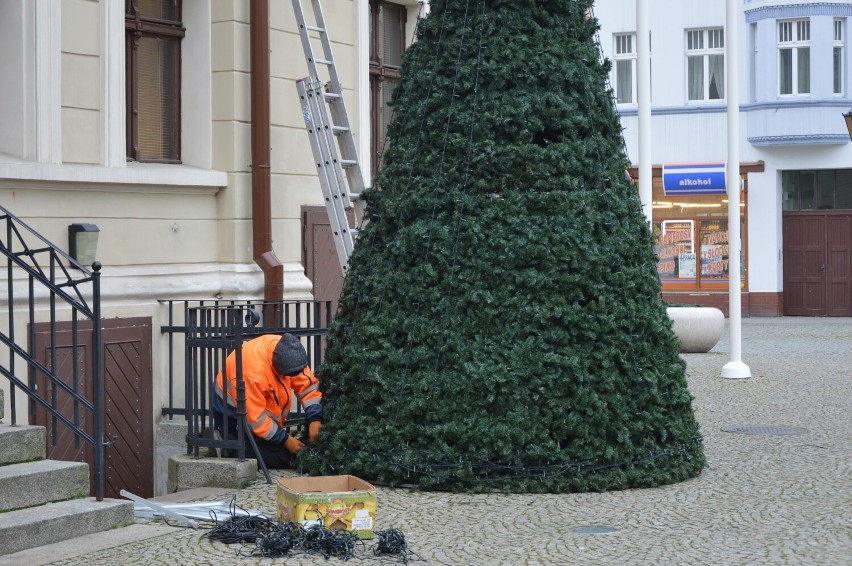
{"x":760,"y":500}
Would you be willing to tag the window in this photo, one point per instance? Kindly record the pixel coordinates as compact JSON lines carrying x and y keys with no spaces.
{"x":692,"y":238}
{"x":153,"y":31}
{"x":705,"y":64}
{"x":838,"y":56}
{"x":826,"y":189}
{"x":387,"y":42}
{"x":625,"y":68}
{"x":794,"y":57}
{"x":693,"y":253}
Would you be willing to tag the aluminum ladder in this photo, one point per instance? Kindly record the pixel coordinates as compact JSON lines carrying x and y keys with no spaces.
{"x":330,"y":134}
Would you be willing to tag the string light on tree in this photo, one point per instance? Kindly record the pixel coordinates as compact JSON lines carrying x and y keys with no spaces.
{"x":501,"y":324}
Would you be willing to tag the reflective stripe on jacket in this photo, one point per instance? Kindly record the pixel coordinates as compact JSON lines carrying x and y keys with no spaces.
{"x":269,"y":396}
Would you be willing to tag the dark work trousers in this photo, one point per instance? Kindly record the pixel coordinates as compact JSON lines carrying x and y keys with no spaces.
{"x":275,"y":456}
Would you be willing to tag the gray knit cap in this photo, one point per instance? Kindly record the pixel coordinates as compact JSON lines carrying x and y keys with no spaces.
{"x":289,"y":357}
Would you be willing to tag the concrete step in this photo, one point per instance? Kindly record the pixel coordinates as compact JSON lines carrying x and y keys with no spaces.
{"x":21,"y":443}
{"x":141,"y":530}
{"x":35,"y":483}
{"x":56,"y":522}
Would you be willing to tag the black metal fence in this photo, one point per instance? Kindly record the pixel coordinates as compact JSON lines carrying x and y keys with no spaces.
{"x":210,"y":331}
{"x":47,"y":288}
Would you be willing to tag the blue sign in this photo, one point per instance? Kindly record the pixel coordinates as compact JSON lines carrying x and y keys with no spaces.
{"x":694,"y":179}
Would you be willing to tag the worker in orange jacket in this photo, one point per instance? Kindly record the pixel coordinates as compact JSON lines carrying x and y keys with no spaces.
{"x":275,"y":368}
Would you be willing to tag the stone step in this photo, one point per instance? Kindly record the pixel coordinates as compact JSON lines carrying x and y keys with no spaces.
{"x":35,"y":483}
{"x":56,"y":522}
{"x":21,"y":443}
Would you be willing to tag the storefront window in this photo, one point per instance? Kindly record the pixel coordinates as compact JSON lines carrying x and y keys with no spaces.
{"x":676,"y":250}
{"x":713,"y":236}
{"x":691,"y":229}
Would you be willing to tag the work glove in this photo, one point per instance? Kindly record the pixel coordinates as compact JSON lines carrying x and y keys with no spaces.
{"x":293,"y":444}
{"x":313,"y":431}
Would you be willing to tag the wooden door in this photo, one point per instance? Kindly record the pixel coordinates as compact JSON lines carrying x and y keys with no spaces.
{"x":804,"y":265}
{"x":62,"y":443}
{"x":320,"y":255}
{"x":128,"y":418}
{"x":839,"y":264}
{"x":817,"y":264}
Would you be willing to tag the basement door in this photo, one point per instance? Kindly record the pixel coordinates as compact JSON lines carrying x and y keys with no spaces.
{"x":817,"y":264}
{"x":128,"y":421}
{"x":319,"y":255}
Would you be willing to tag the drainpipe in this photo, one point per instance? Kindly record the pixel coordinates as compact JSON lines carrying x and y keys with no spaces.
{"x":261,"y":202}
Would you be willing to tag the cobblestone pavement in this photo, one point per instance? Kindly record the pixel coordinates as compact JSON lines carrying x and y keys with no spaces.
{"x":762,"y":499}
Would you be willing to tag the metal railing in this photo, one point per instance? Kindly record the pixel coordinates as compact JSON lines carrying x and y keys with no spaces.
{"x":210,"y":331}
{"x":55,"y":293}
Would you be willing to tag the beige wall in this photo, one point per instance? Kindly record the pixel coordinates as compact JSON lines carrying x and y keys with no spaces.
{"x":150,"y":214}
{"x":294,"y":181}
{"x":81,"y":81}
{"x":173,"y":231}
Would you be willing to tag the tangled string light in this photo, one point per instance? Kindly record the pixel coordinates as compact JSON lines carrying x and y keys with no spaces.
{"x":239,"y":528}
{"x":274,"y":539}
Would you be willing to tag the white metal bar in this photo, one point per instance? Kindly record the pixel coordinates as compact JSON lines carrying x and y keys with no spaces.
{"x":643,"y":86}
{"x":734,"y":369}
{"x":329,"y":170}
{"x":159,"y":508}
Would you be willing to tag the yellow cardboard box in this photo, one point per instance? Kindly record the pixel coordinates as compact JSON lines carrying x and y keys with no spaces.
{"x":337,"y":502}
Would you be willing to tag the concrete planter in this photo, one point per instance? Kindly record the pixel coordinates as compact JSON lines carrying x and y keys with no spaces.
{"x":698,"y":328}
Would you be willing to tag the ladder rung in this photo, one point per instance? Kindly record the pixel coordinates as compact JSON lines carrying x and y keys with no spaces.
{"x":315,"y":28}
{"x":324,"y":62}
{"x":339,"y":130}
{"x":331,"y":96}
{"x":354,"y":197}
{"x":348,"y":163}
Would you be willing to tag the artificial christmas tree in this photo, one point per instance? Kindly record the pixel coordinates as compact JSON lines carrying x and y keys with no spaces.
{"x":501,"y":326}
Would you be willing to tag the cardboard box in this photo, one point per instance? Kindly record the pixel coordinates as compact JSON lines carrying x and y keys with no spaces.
{"x":337,"y":502}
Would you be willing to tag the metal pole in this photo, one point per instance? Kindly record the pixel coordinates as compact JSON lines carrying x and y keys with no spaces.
{"x":643,"y":86}
{"x":98,"y":382}
{"x":734,"y":369}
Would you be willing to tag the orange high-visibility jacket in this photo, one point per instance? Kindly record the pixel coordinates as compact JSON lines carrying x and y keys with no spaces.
{"x":269,"y":395}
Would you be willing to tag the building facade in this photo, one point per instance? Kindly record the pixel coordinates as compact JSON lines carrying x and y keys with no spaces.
{"x":795,"y":149}
{"x":136,"y":117}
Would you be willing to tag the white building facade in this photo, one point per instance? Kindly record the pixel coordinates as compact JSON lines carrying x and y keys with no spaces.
{"x":795,"y":148}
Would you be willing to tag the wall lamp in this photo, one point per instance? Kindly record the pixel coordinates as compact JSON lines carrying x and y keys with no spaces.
{"x":848,"y":119}
{"x":83,"y":242}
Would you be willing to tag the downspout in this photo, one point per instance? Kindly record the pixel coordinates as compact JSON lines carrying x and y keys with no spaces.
{"x":261,"y":202}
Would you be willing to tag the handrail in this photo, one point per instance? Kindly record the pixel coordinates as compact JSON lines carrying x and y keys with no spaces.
{"x":69,"y":297}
